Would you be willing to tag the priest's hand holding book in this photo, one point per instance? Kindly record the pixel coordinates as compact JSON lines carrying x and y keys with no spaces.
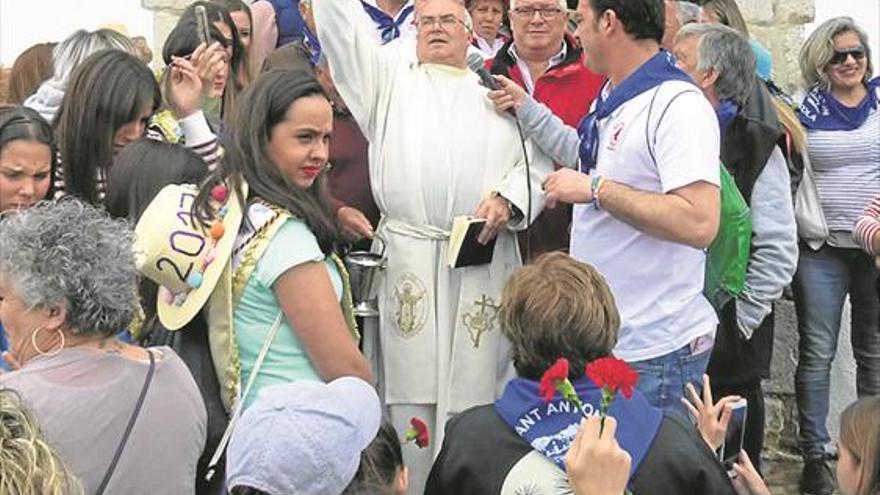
{"x":472,"y":238}
{"x":497,"y":212}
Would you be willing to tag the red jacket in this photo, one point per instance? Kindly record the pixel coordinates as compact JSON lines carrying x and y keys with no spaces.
{"x":568,"y":89}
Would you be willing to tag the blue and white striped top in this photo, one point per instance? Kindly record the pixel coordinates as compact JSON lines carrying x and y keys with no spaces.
{"x":847,"y":170}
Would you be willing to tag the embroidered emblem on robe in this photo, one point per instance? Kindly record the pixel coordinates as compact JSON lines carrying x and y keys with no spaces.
{"x":412,"y":308}
{"x":481,"y":318}
{"x":534,"y":474}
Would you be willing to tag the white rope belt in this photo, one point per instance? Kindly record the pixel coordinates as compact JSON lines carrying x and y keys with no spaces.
{"x":425,"y":232}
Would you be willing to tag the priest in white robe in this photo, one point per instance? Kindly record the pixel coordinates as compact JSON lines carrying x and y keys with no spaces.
{"x":438,"y":150}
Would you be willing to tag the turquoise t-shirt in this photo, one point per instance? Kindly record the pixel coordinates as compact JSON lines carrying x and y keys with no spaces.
{"x":286,"y":361}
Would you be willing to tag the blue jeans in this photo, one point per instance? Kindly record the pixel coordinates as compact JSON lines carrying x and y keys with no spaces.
{"x":821,"y":284}
{"x":662,"y":379}
{"x":4,"y":346}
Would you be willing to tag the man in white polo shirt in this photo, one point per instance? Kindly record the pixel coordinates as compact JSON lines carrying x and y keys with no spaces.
{"x":646,"y":195}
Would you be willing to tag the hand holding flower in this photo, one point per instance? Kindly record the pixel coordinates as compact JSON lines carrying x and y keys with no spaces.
{"x":595,"y":463}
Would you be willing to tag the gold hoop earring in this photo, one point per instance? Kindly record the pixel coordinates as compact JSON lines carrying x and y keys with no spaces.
{"x":40,"y":351}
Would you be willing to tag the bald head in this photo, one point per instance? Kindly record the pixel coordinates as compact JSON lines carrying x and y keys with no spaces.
{"x":419,"y":3}
{"x":444,"y":32}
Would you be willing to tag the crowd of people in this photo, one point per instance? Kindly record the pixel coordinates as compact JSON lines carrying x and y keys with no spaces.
{"x":177,"y":314}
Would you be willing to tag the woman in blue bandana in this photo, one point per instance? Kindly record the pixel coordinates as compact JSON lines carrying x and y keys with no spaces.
{"x":843,"y":124}
{"x":559,"y":307}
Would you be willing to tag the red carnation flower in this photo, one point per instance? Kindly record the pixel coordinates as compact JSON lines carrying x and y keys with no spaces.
{"x":418,"y":432}
{"x":555,"y":379}
{"x":554,"y":374}
{"x":611,"y":374}
{"x":614,"y":374}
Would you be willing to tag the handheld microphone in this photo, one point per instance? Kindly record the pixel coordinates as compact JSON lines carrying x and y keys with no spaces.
{"x":478,"y":65}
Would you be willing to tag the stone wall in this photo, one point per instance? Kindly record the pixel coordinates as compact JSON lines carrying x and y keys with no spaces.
{"x":779,"y":25}
{"x":4,"y":84}
{"x":165,"y":15}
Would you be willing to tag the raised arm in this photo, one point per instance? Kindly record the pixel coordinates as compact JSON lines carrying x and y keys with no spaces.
{"x":361,"y":71}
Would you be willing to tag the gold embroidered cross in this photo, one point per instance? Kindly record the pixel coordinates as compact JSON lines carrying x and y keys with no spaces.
{"x":480,"y":321}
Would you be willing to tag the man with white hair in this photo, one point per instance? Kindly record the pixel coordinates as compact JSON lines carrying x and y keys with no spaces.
{"x":548,"y":63}
{"x":438,"y":149}
{"x":722,"y":64}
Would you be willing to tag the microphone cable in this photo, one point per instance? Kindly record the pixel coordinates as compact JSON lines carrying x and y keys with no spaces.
{"x":477,"y":64}
{"x":522,"y":141}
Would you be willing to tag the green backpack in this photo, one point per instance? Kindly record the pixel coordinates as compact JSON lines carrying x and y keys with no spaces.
{"x":728,"y":255}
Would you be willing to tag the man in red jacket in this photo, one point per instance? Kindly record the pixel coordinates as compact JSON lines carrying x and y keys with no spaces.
{"x":549,"y":64}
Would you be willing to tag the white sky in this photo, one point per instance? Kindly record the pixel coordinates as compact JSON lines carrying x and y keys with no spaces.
{"x":26,"y":22}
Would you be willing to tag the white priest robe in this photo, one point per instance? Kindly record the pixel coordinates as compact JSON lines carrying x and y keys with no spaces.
{"x":437,"y":149}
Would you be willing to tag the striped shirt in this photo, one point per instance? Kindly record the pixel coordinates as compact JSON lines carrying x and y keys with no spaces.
{"x":847,"y":170}
{"x":193,"y":132}
{"x":868,"y":227}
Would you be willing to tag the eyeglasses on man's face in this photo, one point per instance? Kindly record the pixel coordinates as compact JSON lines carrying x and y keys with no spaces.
{"x":446,"y":22}
{"x":546,"y":12}
{"x":840,"y":56}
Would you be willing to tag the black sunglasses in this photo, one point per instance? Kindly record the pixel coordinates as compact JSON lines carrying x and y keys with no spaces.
{"x":840,"y":56}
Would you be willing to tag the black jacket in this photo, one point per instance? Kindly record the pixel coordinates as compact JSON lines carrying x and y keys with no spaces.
{"x":482,"y":456}
{"x":745,"y":148}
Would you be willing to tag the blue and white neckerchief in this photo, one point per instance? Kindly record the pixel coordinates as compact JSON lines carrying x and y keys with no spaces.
{"x":657,"y":70}
{"x":725,"y":113}
{"x":820,"y":110}
{"x":313,"y":45}
{"x":388,"y":26}
{"x":550,"y":427}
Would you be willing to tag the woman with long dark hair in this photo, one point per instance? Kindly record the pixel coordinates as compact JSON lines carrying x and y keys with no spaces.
{"x":222,"y":80}
{"x":110,"y":100}
{"x":240,"y":13}
{"x":285,"y":264}
{"x":107,"y":105}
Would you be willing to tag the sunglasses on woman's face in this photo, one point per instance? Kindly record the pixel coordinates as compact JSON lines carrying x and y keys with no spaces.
{"x":840,"y":56}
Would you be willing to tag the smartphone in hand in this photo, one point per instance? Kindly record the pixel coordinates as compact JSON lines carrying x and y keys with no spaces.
{"x":733,"y":439}
{"x":202,"y":20}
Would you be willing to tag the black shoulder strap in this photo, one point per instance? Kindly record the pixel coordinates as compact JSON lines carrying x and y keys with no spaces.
{"x":129,"y":427}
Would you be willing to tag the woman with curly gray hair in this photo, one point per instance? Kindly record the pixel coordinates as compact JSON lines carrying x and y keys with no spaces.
{"x":67,"y":287}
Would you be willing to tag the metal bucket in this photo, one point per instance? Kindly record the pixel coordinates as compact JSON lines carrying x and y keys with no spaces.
{"x":363,"y":271}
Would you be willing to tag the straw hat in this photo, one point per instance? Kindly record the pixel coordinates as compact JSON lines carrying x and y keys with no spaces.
{"x":184,"y":256}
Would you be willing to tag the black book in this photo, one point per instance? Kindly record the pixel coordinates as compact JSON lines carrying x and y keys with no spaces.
{"x":464,"y":249}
